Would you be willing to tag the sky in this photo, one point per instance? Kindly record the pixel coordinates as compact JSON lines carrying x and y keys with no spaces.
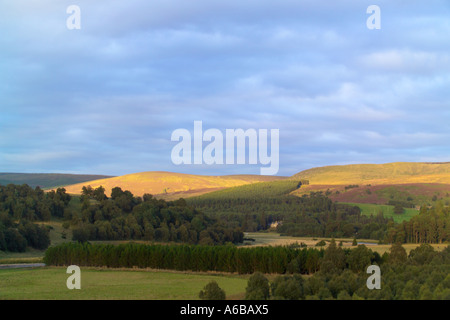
{"x":105,"y":98}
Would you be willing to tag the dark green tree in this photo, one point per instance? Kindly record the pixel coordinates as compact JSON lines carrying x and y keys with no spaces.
{"x":397,"y":254}
{"x":288,"y":288}
{"x":333,"y":259}
{"x":359,"y":258}
{"x":212,"y":291}
{"x":257,"y":287}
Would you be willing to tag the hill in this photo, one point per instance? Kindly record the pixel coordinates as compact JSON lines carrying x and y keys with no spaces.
{"x":170,"y":185}
{"x":46,"y":180}
{"x":411,"y":183}
{"x":378,"y":174}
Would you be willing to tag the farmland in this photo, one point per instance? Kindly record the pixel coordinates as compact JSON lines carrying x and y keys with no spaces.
{"x":49,"y":283}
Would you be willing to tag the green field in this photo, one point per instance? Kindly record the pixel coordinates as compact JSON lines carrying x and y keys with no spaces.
{"x":49,"y":283}
{"x":388,"y":211}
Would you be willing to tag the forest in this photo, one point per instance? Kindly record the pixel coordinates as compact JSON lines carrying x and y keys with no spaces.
{"x":20,"y":207}
{"x":313,"y":215}
{"x":126,"y":217}
{"x":216,"y":218}
{"x":260,"y":206}
{"x":431,"y":225}
{"x":421,"y":275}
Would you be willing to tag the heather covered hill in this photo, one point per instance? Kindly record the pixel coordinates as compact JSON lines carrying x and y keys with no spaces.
{"x":416,"y":194}
{"x":389,"y":173}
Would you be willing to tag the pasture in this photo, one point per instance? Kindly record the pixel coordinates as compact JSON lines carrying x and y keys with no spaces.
{"x":49,"y":283}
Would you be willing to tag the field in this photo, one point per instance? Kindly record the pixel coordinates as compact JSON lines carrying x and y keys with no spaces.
{"x":49,"y":283}
{"x":388,"y":211}
{"x":275,"y":239}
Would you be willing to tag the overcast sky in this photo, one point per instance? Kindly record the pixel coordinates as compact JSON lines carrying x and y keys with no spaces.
{"x":105,"y":99}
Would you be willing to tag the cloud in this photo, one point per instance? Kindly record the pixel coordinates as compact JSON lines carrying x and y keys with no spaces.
{"x":105,"y":99}
{"x":406,"y":61}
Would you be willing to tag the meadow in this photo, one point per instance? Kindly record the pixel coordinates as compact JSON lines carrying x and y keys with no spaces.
{"x":275,"y":239}
{"x":387,"y":210}
{"x":49,"y":283}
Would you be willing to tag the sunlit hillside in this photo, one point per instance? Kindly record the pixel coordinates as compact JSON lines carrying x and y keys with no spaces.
{"x":376,"y":174}
{"x":167,"y":184}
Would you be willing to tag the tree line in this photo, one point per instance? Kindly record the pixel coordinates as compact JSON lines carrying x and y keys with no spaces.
{"x":277,"y":260}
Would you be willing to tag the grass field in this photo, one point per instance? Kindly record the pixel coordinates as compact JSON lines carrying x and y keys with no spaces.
{"x":275,"y":239}
{"x":49,"y":283}
{"x":388,"y":211}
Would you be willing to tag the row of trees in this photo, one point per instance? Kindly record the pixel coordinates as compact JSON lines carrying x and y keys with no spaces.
{"x":182,"y":257}
{"x":280,"y":260}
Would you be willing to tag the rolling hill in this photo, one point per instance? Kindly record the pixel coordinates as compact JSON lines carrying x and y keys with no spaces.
{"x":46,"y":180}
{"x":389,"y":173}
{"x":360,"y":183}
{"x":169,"y":185}
{"x":379,"y":183}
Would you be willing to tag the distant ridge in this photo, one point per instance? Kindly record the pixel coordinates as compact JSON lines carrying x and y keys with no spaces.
{"x":171,"y":185}
{"x":389,"y":173}
{"x":47,"y":180}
